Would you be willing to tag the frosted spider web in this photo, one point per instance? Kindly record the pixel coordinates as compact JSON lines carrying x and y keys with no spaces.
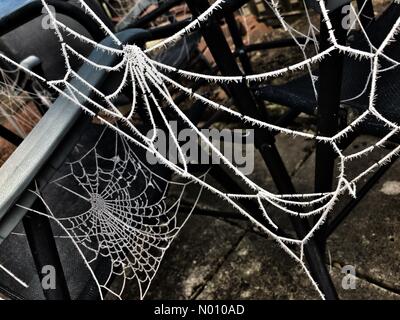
{"x":130,"y":219}
{"x":122,"y":8}
{"x":12,"y":275}
{"x":18,"y":115}
{"x":148,"y":80}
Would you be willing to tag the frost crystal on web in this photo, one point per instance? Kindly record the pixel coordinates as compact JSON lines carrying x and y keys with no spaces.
{"x":12,"y":275}
{"x":15,"y":108}
{"x":129,"y":219}
{"x":149,"y":81}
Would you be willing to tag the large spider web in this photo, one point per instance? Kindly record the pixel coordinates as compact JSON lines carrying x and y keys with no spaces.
{"x":130,"y":221}
{"x":150,"y":82}
{"x":18,"y":114}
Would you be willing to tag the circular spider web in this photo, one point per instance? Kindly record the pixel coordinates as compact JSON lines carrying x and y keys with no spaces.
{"x":151,"y":83}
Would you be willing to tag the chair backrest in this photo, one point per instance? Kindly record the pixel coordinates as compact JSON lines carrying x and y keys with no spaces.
{"x":21,"y":18}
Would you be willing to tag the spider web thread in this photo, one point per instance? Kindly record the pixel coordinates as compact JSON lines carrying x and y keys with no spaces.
{"x":148,"y":80}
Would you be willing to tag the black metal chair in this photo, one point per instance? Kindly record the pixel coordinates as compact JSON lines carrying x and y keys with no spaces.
{"x":264,"y":142}
{"x":44,"y":150}
{"x":343,"y":78}
{"x":43,"y":160}
{"x":350,"y":80}
{"x":339,"y":78}
{"x":299,"y":94}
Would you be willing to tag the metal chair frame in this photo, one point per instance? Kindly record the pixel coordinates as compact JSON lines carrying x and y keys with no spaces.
{"x":46,"y":155}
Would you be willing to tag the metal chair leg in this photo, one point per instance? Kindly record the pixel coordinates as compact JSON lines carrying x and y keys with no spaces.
{"x":243,"y":98}
{"x":330,"y":83}
{"x":44,"y":251}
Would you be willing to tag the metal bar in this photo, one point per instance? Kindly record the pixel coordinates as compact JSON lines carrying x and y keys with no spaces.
{"x":172,"y":28}
{"x":281,"y":43}
{"x":264,"y":141}
{"x":240,"y":50}
{"x":238,"y":42}
{"x":13,"y":216}
{"x":330,"y":83}
{"x":339,"y":218}
{"x":243,"y":57}
{"x":10,"y":136}
{"x":44,"y":252}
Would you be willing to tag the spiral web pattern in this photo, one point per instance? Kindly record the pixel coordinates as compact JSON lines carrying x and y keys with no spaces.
{"x":129,"y":220}
{"x":149,"y":81}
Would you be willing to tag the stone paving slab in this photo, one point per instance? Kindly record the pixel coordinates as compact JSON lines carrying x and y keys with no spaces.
{"x":204,"y":243}
{"x":368,"y":239}
{"x":259,"y":269}
{"x":287,"y":147}
{"x":194,"y":257}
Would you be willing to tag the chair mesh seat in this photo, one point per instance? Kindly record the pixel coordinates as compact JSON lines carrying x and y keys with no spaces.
{"x":299,"y":94}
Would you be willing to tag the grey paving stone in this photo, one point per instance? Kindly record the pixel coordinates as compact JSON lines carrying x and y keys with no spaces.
{"x":369,"y":237}
{"x":259,"y":269}
{"x":194,"y":257}
{"x":204,"y":243}
{"x":195,"y":265}
{"x":287,"y":147}
{"x":364,"y":290}
{"x":293,"y":153}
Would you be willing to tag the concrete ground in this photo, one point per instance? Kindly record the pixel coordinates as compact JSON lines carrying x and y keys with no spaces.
{"x":224,"y":258}
{"x":216,"y":258}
